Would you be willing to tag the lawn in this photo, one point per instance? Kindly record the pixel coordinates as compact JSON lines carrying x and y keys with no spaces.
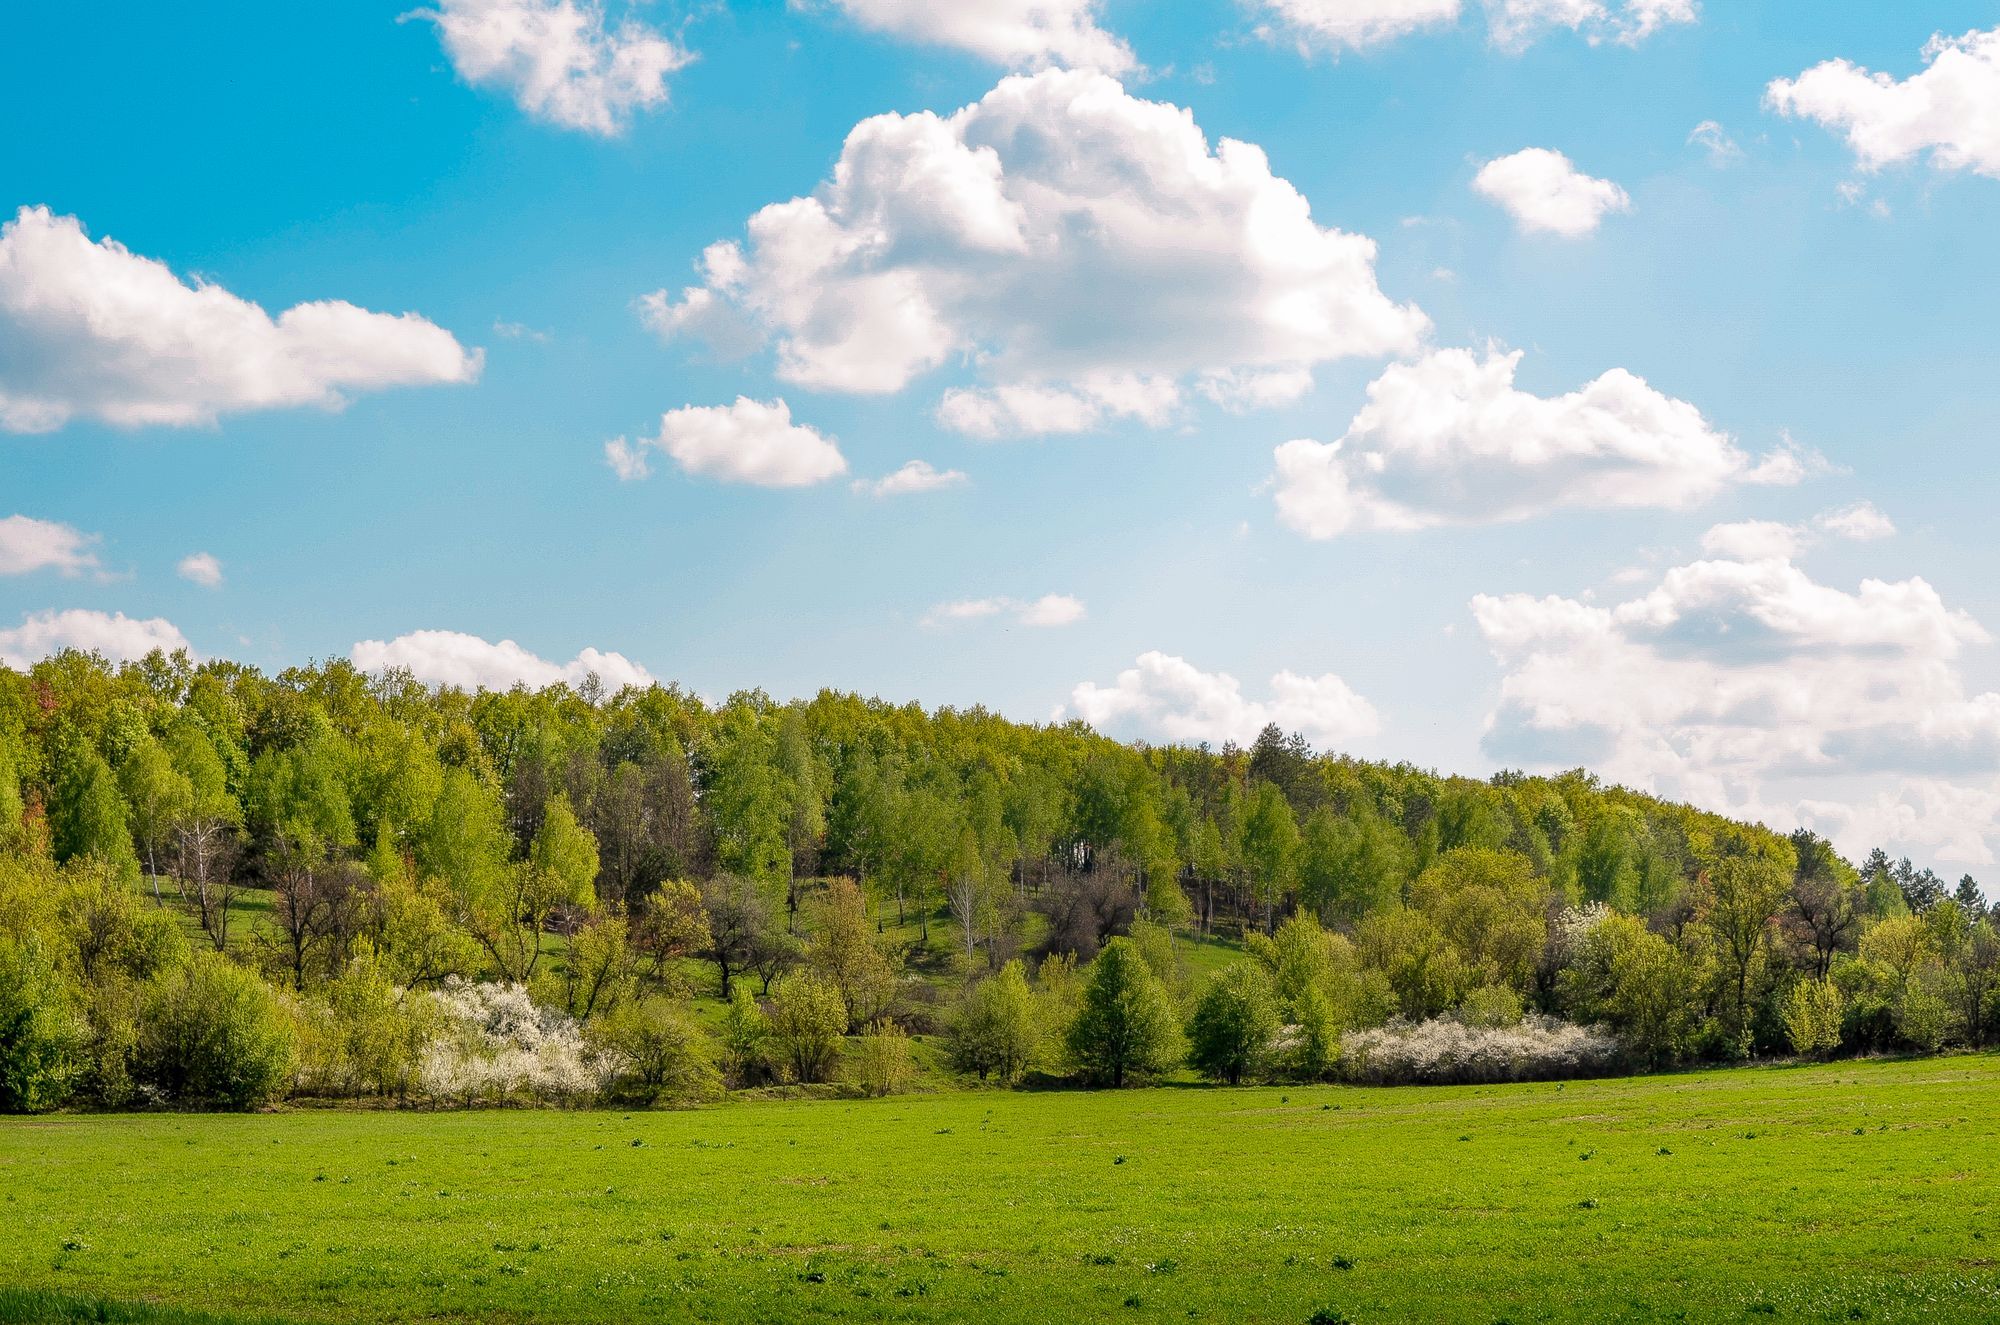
{"x":1851,"y":1192}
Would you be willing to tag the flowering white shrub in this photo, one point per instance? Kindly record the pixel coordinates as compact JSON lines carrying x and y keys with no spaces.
{"x":1575,"y":926}
{"x":1447,"y":1051}
{"x":495,"y":1045}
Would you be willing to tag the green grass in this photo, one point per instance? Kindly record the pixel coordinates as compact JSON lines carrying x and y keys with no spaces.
{"x":1850,"y":1192}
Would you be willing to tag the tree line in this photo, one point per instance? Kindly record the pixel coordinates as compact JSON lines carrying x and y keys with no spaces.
{"x":342,"y":871}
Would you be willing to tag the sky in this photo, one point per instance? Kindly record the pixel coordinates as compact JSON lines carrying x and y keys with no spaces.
{"x":1480,"y":383}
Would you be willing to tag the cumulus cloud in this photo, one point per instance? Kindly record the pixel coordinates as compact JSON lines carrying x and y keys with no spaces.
{"x":750,"y":441}
{"x":201,"y":568}
{"x":118,"y":637}
{"x":1950,"y":110}
{"x":95,"y":330}
{"x":467,"y":662}
{"x":1088,"y":252}
{"x":1545,"y":193}
{"x":1017,"y":33}
{"x":558,"y":59}
{"x":28,"y":545}
{"x":1512,"y":25}
{"x":914,"y":476}
{"x":1168,"y":698}
{"x":1742,"y":683}
{"x":1046,"y":612}
{"x":1450,"y":440}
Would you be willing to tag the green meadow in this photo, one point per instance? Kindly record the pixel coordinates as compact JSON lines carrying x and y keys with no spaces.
{"x":1857,"y":1191}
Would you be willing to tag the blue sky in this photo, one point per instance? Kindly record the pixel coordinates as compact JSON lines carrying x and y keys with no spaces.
{"x":1813,"y":278}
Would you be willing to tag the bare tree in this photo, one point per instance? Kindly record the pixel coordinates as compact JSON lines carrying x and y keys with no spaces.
{"x":206,"y":847}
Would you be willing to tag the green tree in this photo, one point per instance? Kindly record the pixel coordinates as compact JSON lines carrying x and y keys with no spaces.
{"x":1812,"y":1016}
{"x":1125,"y":1027}
{"x":1270,"y":848}
{"x":42,"y":1033}
{"x":995,"y":1029}
{"x":1234,"y":1021}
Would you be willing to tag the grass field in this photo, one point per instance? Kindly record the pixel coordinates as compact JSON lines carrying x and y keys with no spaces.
{"x":1851,"y":1192}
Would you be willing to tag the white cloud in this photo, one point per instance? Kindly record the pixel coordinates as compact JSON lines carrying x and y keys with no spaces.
{"x":915,"y":476}
{"x":1741,"y":683}
{"x":93,"y":329}
{"x":1450,"y":440}
{"x":201,"y":568}
{"x":1515,"y":24}
{"x":1168,"y":698}
{"x":1712,"y":138}
{"x":1017,"y":33}
{"x":467,"y":662}
{"x":557,"y":58}
{"x":1951,"y":109}
{"x":1354,"y":24}
{"x":1087,"y":251}
{"x":1860,"y":522}
{"x":1545,"y":193}
{"x":1512,"y":25}
{"x":118,"y":637}
{"x":1046,"y":612}
{"x":750,"y":441}
{"x":28,"y":545}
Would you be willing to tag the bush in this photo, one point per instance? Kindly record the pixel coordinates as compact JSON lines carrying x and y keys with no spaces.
{"x":882,"y":1064}
{"x":1812,"y":1016}
{"x":746,"y":1032}
{"x":212,"y":1033}
{"x":1230,"y":1033}
{"x":807,"y":1020}
{"x":1491,"y":1007}
{"x":995,"y":1029}
{"x":1445,"y":1052}
{"x":659,"y":1052}
{"x":42,"y":1038}
{"x":495,"y":1044}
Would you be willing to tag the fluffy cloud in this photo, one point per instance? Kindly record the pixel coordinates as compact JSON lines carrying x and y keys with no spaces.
{"x":915,"y":476}
{"x":1763,"y":540}
{"x":118,"y":637}
{"x":1048,"y":611}
{"x":1951,"y":109}
{"x":1741,"y":683}
{"x":557,"y":59}
{"x":1170,"y":699}
{"x":1015,"y":33}
{"x":93,"y":329}
{"x":1354,"y":24}
{"x":201,"y":568}
{"x":1545,"y":193}
{"x":1512,"y":24}
{"x":1449,"y":439}
{"x":1089,"y":252}
{"x":467,"y":662}
{"x":28,"y":545}
{"x":748,"y":442}
{"x":1861,"y":522}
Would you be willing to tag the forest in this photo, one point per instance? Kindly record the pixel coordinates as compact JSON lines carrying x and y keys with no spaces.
{"x":221,"y":889}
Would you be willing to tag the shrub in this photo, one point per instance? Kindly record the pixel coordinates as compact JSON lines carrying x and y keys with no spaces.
{"x":807,"y":1020}
{"x":42,"y":1038}
{"x":995,"y":1029}
{"x":882,"y":1064}
{"x":1230,"y":1033}
{"x":495,"y":1044}
{"x":212,"y":1033}
{"x":1445,"y":1052}
{"x":1491,"y":1007}
{"x":1812,"y":1016}
{"x":746,"y":1032}
{"x":1925,"y":1017}
{"x":660,"y":1052}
